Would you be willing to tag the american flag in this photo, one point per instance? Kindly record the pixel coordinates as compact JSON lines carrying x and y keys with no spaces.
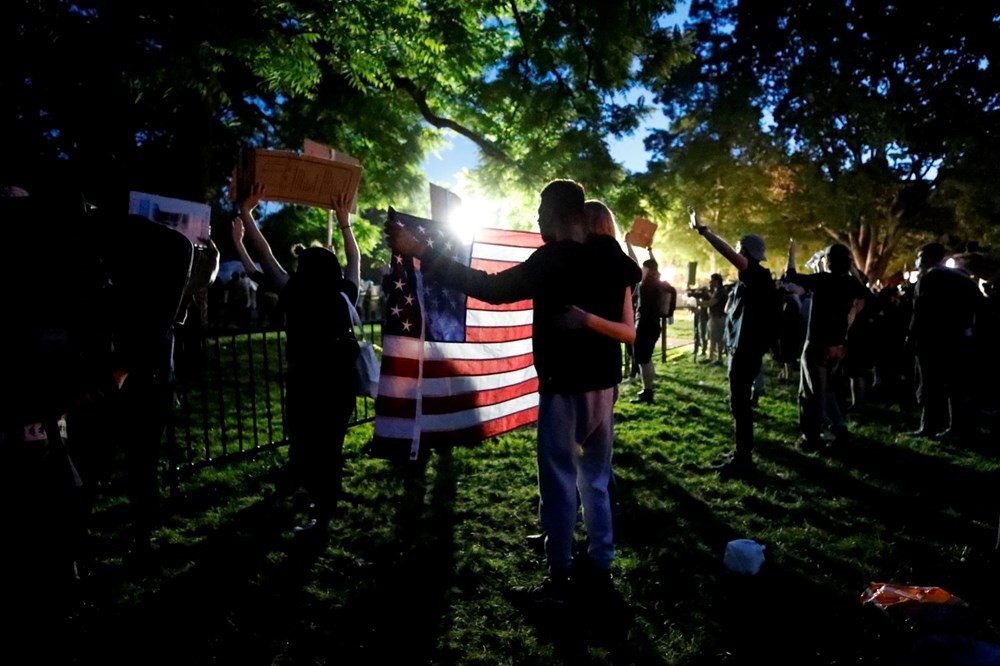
{"x":455,"y":370}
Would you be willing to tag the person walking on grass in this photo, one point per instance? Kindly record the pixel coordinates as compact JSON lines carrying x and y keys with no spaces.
{"x":748,"y":337}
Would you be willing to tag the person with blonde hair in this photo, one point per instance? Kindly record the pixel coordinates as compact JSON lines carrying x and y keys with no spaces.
{"x":598,"y":219}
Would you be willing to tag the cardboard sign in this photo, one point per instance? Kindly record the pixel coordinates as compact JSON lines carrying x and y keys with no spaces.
{"x":641,"y":234}
{"x":188,"y":217}
{"x":289,"y":177}
{"x":317,"y":149}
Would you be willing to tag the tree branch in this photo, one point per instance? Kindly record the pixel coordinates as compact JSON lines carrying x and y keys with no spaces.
{"x":419,"y":96}
{"x":834,"y":234}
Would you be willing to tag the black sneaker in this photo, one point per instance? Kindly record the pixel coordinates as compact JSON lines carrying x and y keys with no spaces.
{"x":552,"y":590}
{"x":311,"y":526}
{"x":643,"y":397}
{"x":723,"y":459}
{"x":841,"y":437}
{"x":536,"y":542}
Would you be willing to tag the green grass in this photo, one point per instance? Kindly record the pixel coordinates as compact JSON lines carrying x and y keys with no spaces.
{"x":415,"y":567}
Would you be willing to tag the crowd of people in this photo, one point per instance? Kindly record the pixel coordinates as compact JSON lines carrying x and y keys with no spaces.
{"x":110,"y":388}
{"x":849,"y":342}
{"x":830,"y":325}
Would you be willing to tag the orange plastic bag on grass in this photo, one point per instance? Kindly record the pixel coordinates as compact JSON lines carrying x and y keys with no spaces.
{"x":886,"y":595}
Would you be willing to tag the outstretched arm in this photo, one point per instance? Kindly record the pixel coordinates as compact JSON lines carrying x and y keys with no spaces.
{"x":721,"y":246}
{"x":512,"y":284}
{"x":622,"y":331}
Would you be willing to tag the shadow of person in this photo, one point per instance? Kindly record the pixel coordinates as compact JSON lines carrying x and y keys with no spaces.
{"x":600,"y":629}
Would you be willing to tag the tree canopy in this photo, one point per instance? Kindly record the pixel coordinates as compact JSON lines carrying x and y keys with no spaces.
{"x":865,"y":120}
{"x":870,"y":122}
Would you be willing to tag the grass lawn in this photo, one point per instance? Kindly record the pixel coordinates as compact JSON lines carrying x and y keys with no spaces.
{"x":415,"y":568}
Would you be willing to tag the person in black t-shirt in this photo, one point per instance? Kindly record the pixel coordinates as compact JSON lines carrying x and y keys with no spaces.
{"x":834,"y":292}
{"x":946,"y":305}
{"x":748,"y":336}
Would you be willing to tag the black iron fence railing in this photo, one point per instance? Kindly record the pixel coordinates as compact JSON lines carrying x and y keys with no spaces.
{"x":230,"y":388}
{"x":231,"y":394}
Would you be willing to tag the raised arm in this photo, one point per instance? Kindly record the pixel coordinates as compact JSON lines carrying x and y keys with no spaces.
{"x":721,"y":246}
{"x":241,"y":249}
{"x":790,"y":265}
{"x":352,"y":269}
{"x":255,"y":239}
{"x":631,"y":250}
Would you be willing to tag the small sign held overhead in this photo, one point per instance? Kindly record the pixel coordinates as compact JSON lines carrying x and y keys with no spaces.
{"x":641,"y":234}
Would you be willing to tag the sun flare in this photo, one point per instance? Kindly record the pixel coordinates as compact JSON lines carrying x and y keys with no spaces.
{"x":473,"y":214}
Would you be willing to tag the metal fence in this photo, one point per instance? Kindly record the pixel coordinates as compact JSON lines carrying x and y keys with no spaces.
{"x":230,"y":388}
{"x":231,"y":394}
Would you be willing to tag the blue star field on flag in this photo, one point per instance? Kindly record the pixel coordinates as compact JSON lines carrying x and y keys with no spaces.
{"x":445,"y":308}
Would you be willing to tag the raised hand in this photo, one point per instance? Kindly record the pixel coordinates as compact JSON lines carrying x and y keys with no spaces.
{"x":342,"y":206}
{"x":695,"y":222}
{"x":238,"y":230}
{"x":257,"y":192}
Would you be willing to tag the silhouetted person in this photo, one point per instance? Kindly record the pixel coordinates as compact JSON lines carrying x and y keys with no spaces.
{"x":945,"y":306}
{"x":748,"y":336}
{"x":321,"y":385}
{"x":834,"y":291}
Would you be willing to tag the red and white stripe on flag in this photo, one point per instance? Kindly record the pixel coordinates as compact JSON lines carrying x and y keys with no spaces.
{"x":478,"y":383}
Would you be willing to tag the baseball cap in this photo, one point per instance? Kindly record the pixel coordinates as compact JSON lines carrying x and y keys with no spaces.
{"x":753,"y":246}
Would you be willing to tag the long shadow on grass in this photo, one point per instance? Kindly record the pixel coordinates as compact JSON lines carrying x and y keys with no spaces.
{"x":246,"y":591}
{"x":938,"y":516}
{"x":919,"y":496}
{"x":401,"y":611}
{"x":680,"y":586}
{"x":229,"y":595}
{"x":592,"y":630}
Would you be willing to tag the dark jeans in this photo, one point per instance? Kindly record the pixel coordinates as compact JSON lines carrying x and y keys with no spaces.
{"x":744,"y":367}
{"x":819,"y":379}
{"x":943,"y":388}
{"x":317,"y":423}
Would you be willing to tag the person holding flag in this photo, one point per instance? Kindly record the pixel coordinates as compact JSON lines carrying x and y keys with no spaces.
{"x":578,"y":372}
